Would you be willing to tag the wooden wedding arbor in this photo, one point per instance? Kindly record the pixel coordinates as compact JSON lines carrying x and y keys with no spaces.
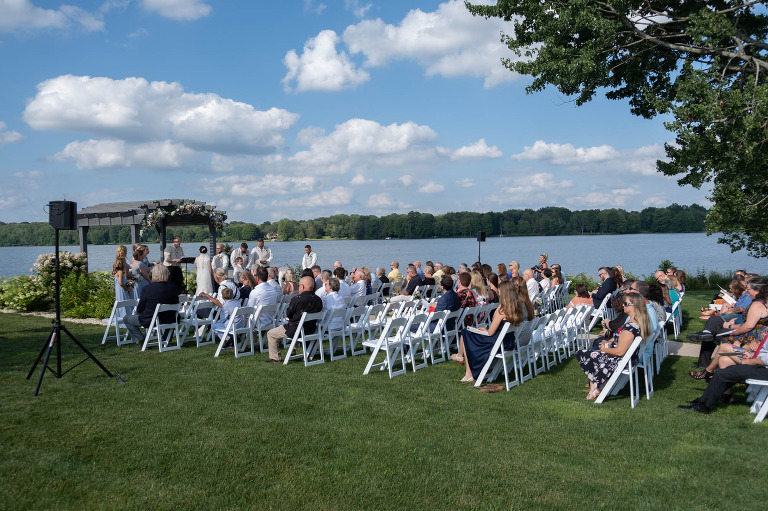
{"x":142,"y":215}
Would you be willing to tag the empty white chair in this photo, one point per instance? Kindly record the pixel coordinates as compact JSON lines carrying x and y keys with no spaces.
{"x":115,"y":320}
{"x":757,"y":393}
{"x":391,"y":343}
{"x":265,"y":319}
{"x":436,"y":350}
{"x":416,"y":340}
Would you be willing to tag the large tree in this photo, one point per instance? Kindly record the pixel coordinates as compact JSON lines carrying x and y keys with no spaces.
{"x":701,"y":62}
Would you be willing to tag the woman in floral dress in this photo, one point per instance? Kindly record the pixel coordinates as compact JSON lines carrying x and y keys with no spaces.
{"x":600,"y":364}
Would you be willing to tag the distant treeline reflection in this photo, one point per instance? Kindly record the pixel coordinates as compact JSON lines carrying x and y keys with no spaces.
{"x":550,"y":221}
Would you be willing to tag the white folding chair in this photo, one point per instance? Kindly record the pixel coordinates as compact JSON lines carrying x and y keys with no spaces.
{"x":757,"y":393}
{"x":115,"y":321}
{"x":242,"y":337}
{"x":335,"y":335}
{"x":310,"y":342}
{"x":434,"y":336}
{"x":645,"y":361}
{"x":162,"y":331}
{"x":201,"y":327}
{"x":416,"y":340}
{"x":391,"y":342}
{"x":451,"y":334}
{"x":501,"y":360}
{"x":355,"y":327}
{"x":625,"y":372}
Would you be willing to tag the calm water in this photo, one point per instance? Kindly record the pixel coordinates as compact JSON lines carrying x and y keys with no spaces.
{"x":638,"y":253}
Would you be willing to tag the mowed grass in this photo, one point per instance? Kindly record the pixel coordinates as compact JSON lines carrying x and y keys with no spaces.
{"x":189,"y":431}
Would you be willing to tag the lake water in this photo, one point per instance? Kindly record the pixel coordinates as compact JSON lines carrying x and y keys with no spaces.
{"x":640,"y":254}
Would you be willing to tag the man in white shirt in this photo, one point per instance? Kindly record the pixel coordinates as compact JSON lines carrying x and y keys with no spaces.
{"x":262,"y":294}
{"x":273,"y":279}
{"x":334,"y":301}
{"x":172,"y":257}
{"x":260,"y":256}
{"x":531,"y":284}
{"x":309,"y":259}
{"x":220,"y":260}
{"x":358,"y":286}
{"x":322,"y":291}
{"x":242,"y":251}
{"x":341,"y":274}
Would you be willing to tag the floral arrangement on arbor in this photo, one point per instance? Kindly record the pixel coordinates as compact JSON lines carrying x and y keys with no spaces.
{"x":182,"y":209}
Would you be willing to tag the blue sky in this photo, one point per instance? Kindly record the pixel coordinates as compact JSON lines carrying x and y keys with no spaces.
{"x":300,"y":109}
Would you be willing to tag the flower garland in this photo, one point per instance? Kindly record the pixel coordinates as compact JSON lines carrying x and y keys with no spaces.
{"x":216,"y":217}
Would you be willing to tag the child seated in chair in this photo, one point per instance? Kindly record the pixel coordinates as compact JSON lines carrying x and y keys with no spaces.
{"x":227,"y":310}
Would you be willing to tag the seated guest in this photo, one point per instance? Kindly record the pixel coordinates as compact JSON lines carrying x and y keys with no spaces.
{"x":248,"y":283}
{"x":317,"y":274}
{"x":545,"y":282}
{"x":557,"y":275}
{"x":322,"y":291}
{"x":305,"y":301}
{"x":477,"y":283}
{"x":429,"y":280}
{"x":581,"y":297}
{"x":438,"y":274}
{"x":738,"y":288}
{"x":607,"y":287}
{"x":357,"y":288}
{"x":449,"y":301}
{"x":159,"y":291}
{"x":220,"y":277}
{"x":344,"y":288}
{"x":747,"y":335}
{"x":540,"y":267}
{"x":382,"y":276}
{"x":368,"y":279}
{"x":290,"y":287}
{"x":600,"y":365}
{"x":395,"y":276}
{"x":531,"y":285}
{"x":334,"y":301}
{"x":681,"y":279}
{"x":274,"y":279}
{"x":501,"y":269}
{"x":748,"y":367}
{"x":514,"y":269}
{"x":476,"y":347}
{"x":466,"y":296}
{"x":670,"y":294}
{"x":227,"y":310}
{"x":262,"y":294}
{"x":413,"y":281}
{"x":493,"y":288}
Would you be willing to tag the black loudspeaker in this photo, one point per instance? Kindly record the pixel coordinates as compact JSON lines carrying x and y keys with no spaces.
{"x":62,"y":214}
{"x":480,"y":235}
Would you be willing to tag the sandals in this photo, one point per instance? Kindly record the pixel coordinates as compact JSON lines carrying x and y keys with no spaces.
{"x":701,"y":375}
{"x":456,"y":358}
{"x":467,"y":379}
{"x":593,"y":394}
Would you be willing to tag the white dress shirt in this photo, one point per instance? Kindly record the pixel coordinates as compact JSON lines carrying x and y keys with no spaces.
{"x":263,"y":294}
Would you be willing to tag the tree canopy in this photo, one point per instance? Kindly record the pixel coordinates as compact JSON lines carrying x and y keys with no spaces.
{"x":704,"y":63}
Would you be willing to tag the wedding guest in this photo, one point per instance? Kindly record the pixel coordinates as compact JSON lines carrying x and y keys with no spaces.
{"x":159,"y":291}
{"x":290,"y":286}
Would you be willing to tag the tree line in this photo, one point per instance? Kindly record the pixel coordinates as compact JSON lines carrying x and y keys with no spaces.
{"x":549,"y":221}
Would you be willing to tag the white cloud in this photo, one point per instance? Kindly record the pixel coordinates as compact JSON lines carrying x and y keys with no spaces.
{"x":618,"y":198}
{"x":566,"y":154}
{"x":380,"y":201}
{"x":259,"y":186}
{"x":139,"y":111}
{"x":658,"y":200}
{"x":542,"y":187}
{"x":23,"y":15}
{"x":431,"y":187}
{"x":179,"y":10}
{"x":360,"y":179}
{"x":32,"y":174}
{"x":361,"y":141}
{"x":311,"y":6}
{"x":478,"y":150}
{"x":10,"y":136}
{"x":338,"y":196}
{"x":407,"y":180}
{"x":321,"y":67}
{"x":466,"y":183}
{"x":358,"y":8}
{"x":95,"y":154}
{"x":449,"y":42}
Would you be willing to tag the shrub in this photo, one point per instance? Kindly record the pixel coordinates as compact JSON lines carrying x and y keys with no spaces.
{"x":24,"y":293}
{"x":87,"y":296}
{"x":582,"y":278}
{"x":68,"y":263}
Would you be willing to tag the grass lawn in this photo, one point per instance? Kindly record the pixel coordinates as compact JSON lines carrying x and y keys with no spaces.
{"x":188,"y":431}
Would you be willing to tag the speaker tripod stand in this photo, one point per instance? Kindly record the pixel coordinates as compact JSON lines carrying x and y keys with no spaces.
{"x":55,"y":338}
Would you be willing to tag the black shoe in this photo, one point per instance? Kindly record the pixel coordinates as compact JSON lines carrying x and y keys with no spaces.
{"x":696,"y":407}
{"x":700,"y":337}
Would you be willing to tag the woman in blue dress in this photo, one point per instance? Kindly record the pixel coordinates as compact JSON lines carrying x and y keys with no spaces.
{"x":120,"y":271}
{"x":139,"y":271}
{"x":477,"y":345}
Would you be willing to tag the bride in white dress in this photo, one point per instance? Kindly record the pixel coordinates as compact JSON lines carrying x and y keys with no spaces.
{"x":203,"y":267}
